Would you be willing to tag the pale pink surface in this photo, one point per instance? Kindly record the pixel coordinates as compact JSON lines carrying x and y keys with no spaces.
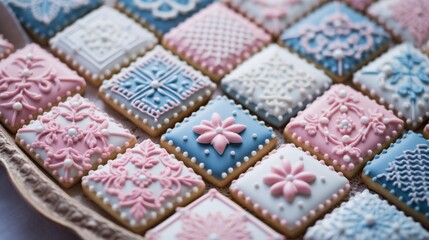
{"x":217,"y":38}
{"x":344,"y":125}
{"x":5,"y":47}
{"x":32,"y":79}
{"x":289,"y":181}
{"x":219,"y":133}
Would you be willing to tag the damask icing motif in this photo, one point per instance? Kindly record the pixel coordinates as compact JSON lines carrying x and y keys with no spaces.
{"x":219,"y":133}
{"x":72,"y":138}
{"x":336,"y":37}
{"x":5,"y":47}
{"x":220,"y":226}
{"x":344,"y":126}
{"x":368,"y":217}
{"x":32,"y":80}
{"x":216,"y":39}
{"x":142,"y":182}
{"x":289,"y":180}
{"x":167,"y":9}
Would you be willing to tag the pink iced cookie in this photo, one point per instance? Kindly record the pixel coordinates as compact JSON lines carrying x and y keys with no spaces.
{"x":216,"y":40}
{"x":5,"y":47}
{"x":344,"y":128}
{"x":73,"y":138}
{"x":32,"y":81}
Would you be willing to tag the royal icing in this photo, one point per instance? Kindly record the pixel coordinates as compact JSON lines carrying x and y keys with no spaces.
{"x":216,"y":40}
{"x":290,"y":186}
{"x":213,"y":217}
{"x":101,"y":42}
{"x":274,"y":15}
{"x":244,"y":137}
{"x":403,"y":170}
{"x":156,"y":88}
{"x":32,"y":80}
{"x":400,"y":79}
{"x":162,"y":15}
{"x":366,"y":216}
{"x":360,"y":4}
{"x":344,"y":126}
{"x":73,"y":138}
{"x":45,"y":18}
{"x":5,"y":47}
{"x":337,"y":38}
{"x":143,"y":183}
{"x":406,"y":19}
{"x":275,"y":84}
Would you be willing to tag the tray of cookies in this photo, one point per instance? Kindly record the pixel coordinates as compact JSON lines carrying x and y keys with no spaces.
{"x":233,"y":119}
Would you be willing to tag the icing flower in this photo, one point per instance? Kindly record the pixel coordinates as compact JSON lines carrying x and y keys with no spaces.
{"x":345,"y":124}
{"x":219,"y":133}
{"x":289,"y":180}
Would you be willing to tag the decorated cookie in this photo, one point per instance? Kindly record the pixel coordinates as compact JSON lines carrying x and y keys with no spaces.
{"x":157,"y":90}
{"x":275,"y":84}
{"x":360,"y":5}
{"x":407,"y":20}
{"x":344,"y":128}
{"x":159,"y":15}
{"x":45,"y":18}
{"x":31,"y":82}
{"x":401,"y":174}
{"x":143,"y":186}
{"x":99,"y":44}
{"x":215,"y":40}
{"x":220,"y":141}
{"x":336,"y":38}
{"x":366,"y":216}
{"x":274,"y":15}
{"x":212,"y":216}
{"x":289,"y":189}
{"x":5,"y":47}
{"x":73,"y":138}
{"x":400,"y":80}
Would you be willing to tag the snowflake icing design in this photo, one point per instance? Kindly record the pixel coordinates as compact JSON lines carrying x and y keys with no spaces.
{"x":219,"y":133}
{"x":47,"y":10}
{"x":167,"y":9}
{"x":289,"y":181}
{"x":337,"y":39}
{"x":409,"y":172}
{"x":368,"y":217}
{"x":157,"y":85}
{"x":213,"y":226}
{"x":72,"y":144}
{"x":407,"y":76}
{"x":413,"y":16}
{"x":130,"y":177}
{"x":275,"y":79}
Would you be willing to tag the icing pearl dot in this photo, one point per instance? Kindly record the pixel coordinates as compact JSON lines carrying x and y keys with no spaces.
{"x":185,"y":138}
{"x":74,"y":104}
{"x":142,"y":177}
{"x":17,"y":106}
{"x":346,"y":158}
{"x":343,"y":108}
{"x":303,"y":123}
{"x":206,"y":152}
{"x":26,"y":72}
{"x":396,"y":228}
{"x":219,"y":130}
{"x":29,"y":56}
{"x":344,"y":123}
{"x":370,"y":220}
{"x":72,"y":131}
{"x":213,"y":236}
{"x":364,"y":119}
{"x":254,"y":135}
{"x":290,"y":178}
{"x":68,"y":163}
{"x":232,"y":153}
{"x":104,"y":132}
{"x":324,"y":120}
{"x":342,"y":93}
{"x":386,"y":120}
{"x":155,"y":84}
{"x":338,"y":54}
{"x":345,"y":138}
{"x":387,"y":69}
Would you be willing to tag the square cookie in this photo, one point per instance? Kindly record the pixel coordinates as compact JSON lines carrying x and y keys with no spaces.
{"x":220,"y":141}
{"x":337,"y":38}
{"x":44,"y":18}
{"x":366,"y":216}
{"x":157,"y":91}
{"x":31,"y":82}
{"x":407,"y":20}
{"x":289,"y":189}
{"x":274,"y":15}
{"x":275,"y":84}
{"x":73,"y":138}
{"x":401,"y":174}
{"x":5,"y":47}
{"x":212,"y":216}
{"x":216,"y":40}
{"x":102,"y":42}
{"x":344,"y":128}
{"x":143,"y":186}
{"x":159,"y":15}
{"x":399,"y":79}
